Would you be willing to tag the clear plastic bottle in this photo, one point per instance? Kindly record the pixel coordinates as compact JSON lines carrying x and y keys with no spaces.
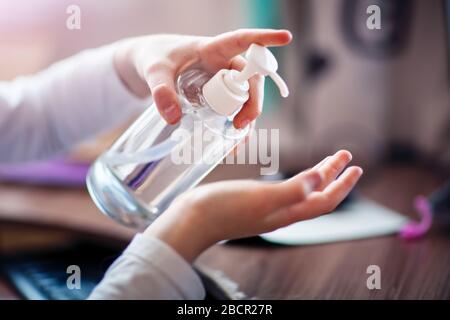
{"x":152,"y":163}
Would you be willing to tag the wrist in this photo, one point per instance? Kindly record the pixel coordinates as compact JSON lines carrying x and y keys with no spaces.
{"x":178,"y":228}
{"x":125,"y":67}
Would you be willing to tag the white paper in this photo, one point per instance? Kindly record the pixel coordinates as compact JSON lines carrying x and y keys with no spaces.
{"x":360,"y":218}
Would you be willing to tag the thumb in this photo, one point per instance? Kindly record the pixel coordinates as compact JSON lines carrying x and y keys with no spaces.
{"x":161,"y":81}
{"x":294,"y":190}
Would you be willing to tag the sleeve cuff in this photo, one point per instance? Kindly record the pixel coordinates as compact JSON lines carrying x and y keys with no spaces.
{"x":161,"y":256}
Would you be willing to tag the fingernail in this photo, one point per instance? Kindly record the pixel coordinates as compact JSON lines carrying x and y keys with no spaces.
{"x":171,"y":113}
{"x":244,"y":123}
{"x":312,"y":182}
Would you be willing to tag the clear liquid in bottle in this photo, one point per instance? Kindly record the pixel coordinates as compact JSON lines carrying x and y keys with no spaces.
{"x":138,"y":178}
{"x":147,"y":168}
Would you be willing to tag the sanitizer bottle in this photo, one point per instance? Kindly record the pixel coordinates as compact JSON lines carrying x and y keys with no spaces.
{"x":152,"y":162}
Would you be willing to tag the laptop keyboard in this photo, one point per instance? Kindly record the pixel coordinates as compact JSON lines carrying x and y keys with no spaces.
{"x":45,"y":275}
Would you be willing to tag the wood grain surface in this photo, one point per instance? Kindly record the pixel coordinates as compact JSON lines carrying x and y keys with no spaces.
{"x":409,"y":270}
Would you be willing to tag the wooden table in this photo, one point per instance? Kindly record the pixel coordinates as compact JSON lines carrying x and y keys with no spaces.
{"x":419,"y":269}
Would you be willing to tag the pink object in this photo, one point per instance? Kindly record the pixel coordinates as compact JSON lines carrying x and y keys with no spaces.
{"x":416,"y":230}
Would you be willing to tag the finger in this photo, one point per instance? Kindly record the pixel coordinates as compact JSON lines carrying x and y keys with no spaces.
{"x":230,"y":44}
{"x":161,"y":80}
{"x":244,"y":141}
{"x":252,"y":108}
{"x":254,"y":105}
{"x":250,"y":132}
{"x":332,"y":167}
{"x":327,"y":200}
{"x":339,"y":189}
{"x":317,"y":166}
{"x":320,"y":164}
{"x":291,"y":191}
{"x":238,"y":63}
{"x":319,"y":203}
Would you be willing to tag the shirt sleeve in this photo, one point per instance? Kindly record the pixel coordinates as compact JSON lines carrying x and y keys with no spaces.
{"x":47,"y":113}
{"x":149,"y":269}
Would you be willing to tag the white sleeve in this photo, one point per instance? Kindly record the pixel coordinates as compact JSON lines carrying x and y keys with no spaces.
{"x":149,"y":269}
{"x":47,"y":113}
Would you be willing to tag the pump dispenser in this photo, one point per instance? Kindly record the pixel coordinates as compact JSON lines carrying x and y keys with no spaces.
{"x":227,"y":91}
{"x":142,"y":173}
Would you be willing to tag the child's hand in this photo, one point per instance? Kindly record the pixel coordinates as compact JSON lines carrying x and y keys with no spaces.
{"x":149,"y":65}
{"x":234,"y":209}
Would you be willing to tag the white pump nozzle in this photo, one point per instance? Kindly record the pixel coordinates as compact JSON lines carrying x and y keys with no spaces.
{"x":227,"y":91}
{"x":261,"y":60}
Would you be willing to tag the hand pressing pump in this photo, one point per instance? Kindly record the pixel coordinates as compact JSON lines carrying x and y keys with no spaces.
{"x":152,"y":162}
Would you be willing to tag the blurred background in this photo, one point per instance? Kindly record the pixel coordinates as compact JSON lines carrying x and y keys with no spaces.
{"x":378,"y":93}
{"x":382,"y":94}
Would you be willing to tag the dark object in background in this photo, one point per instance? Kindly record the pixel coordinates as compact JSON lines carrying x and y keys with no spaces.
{"x":316,"y":64}
{"x":440,"y":200}
{"x":43,"y":275}
{"x":396,"y":16}
{"x":376,"y":88}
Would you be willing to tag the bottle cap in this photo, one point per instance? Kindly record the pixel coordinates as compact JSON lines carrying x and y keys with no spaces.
{"x":227,"y":90}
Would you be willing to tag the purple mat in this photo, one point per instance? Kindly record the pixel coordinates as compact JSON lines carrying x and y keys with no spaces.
{"x":56,"y":172}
